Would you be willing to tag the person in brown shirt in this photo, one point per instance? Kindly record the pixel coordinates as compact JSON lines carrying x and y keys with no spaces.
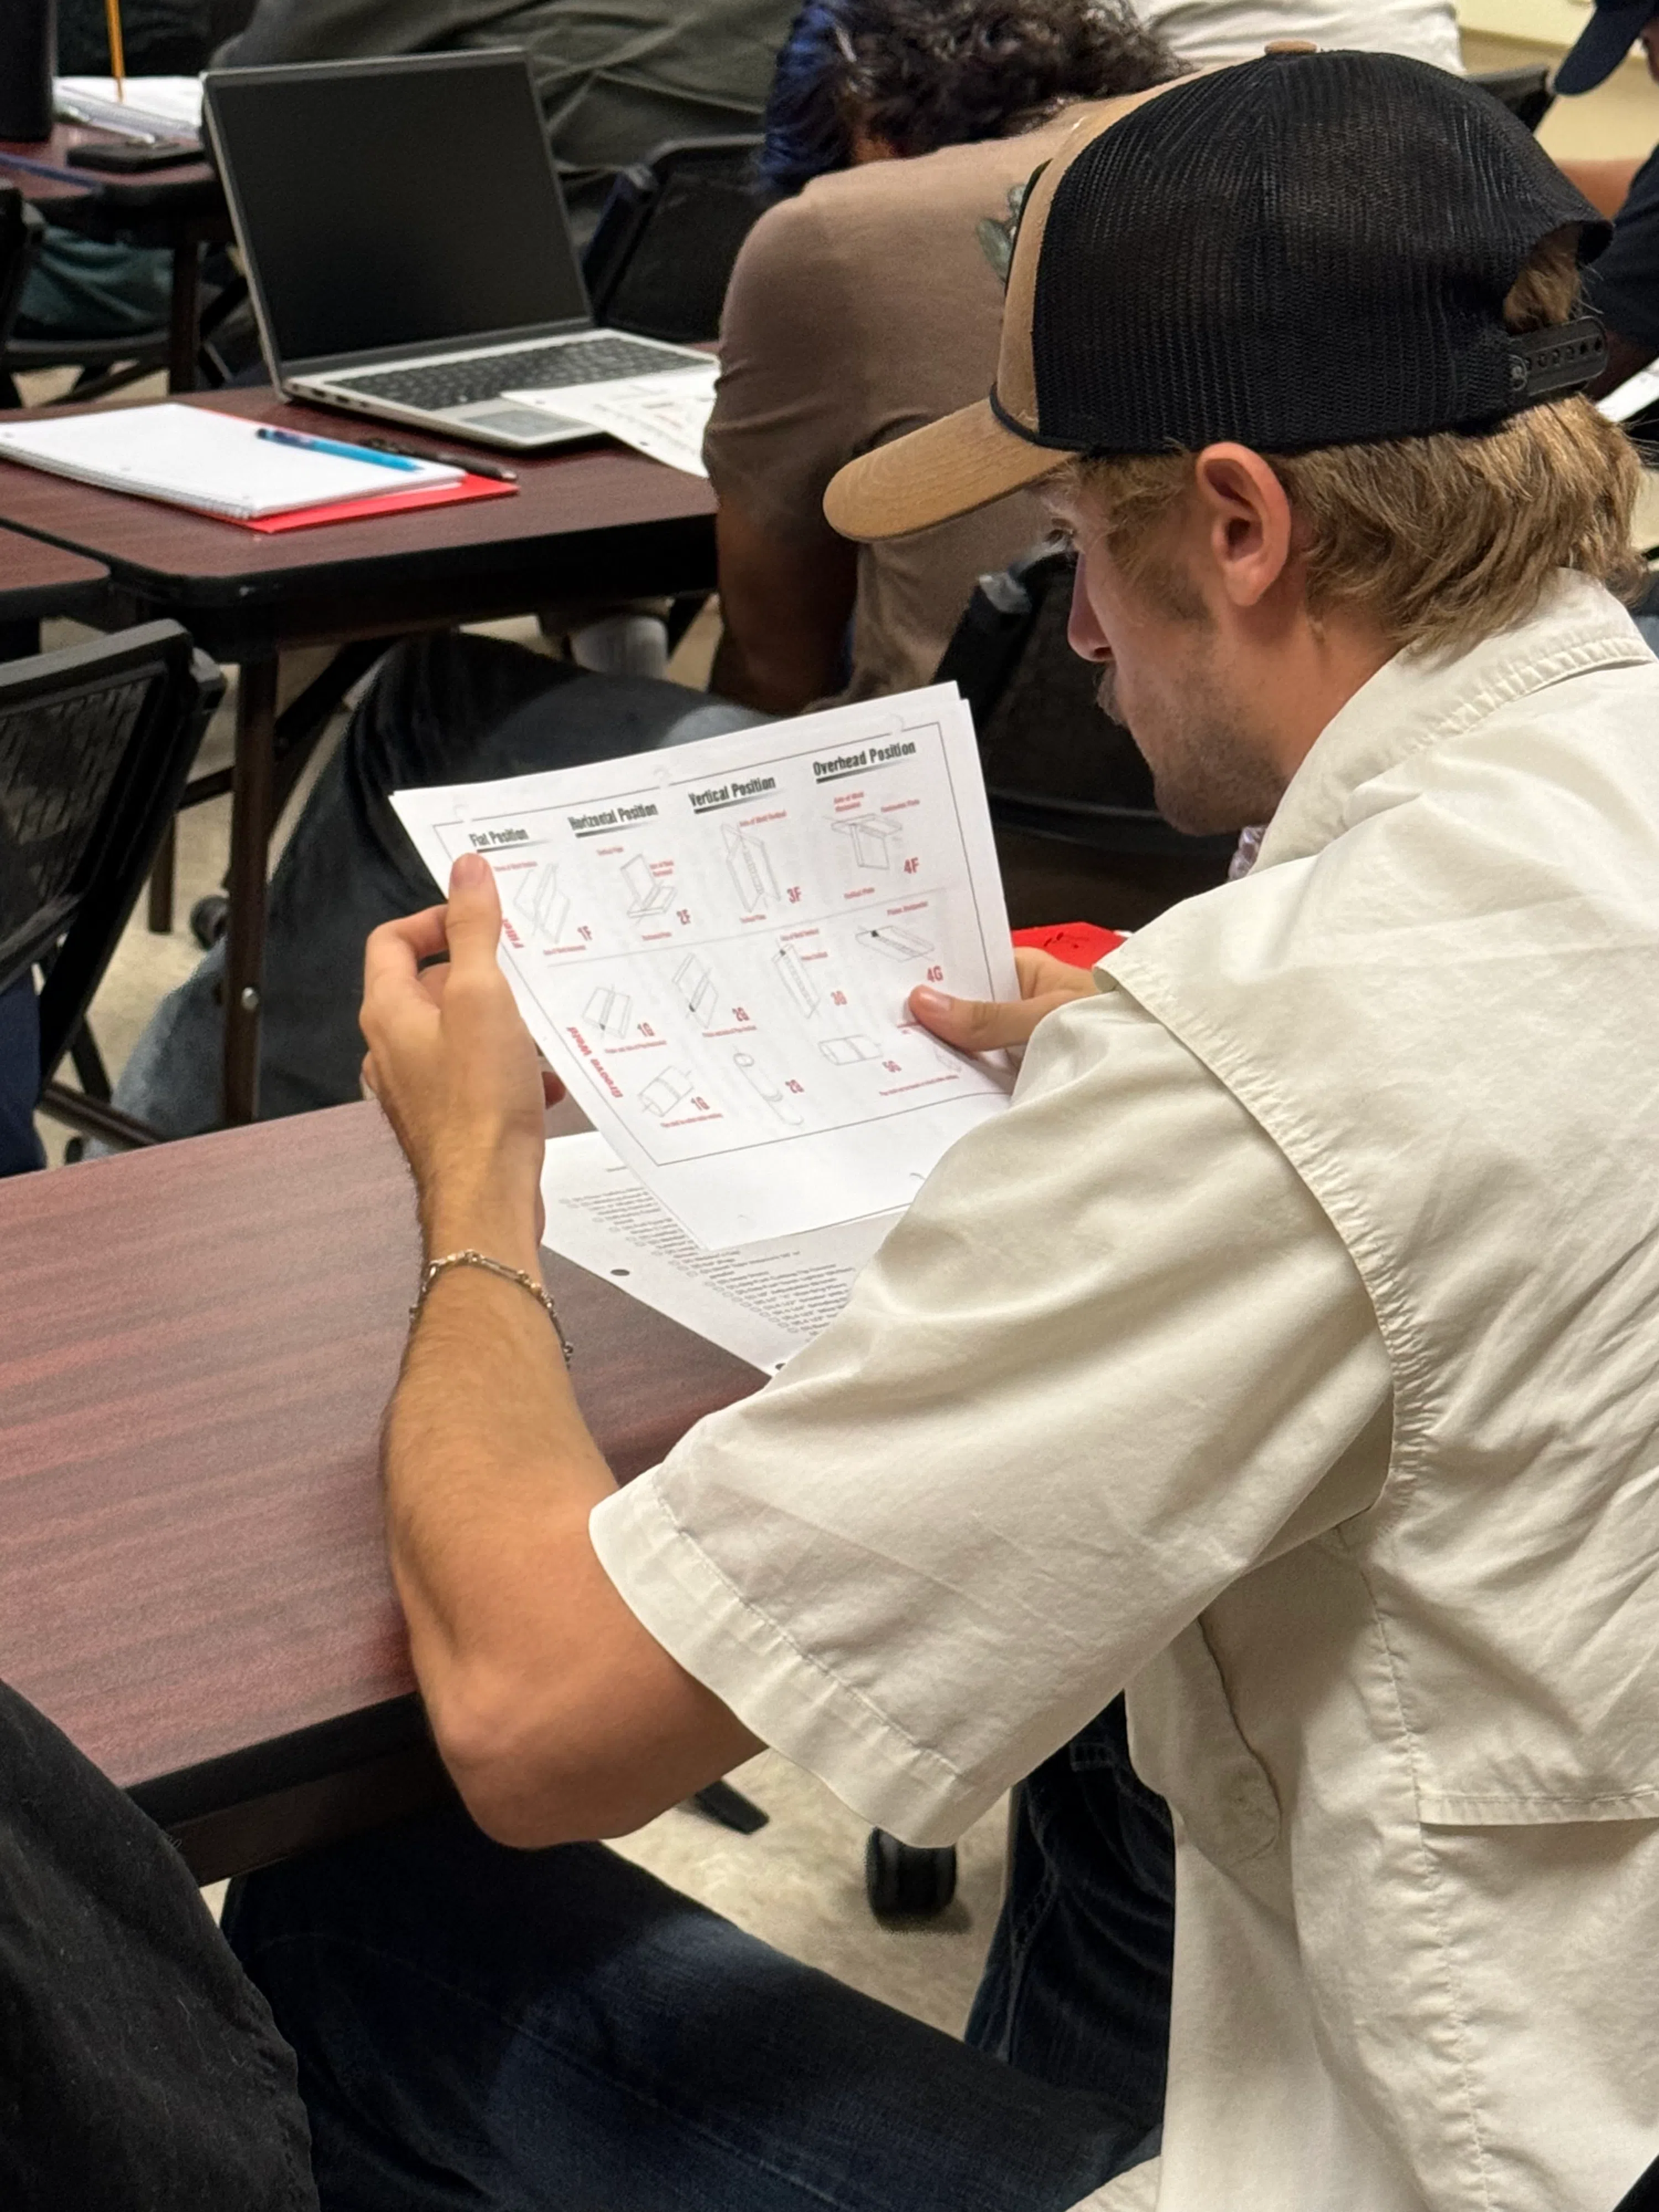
{"x":857,"y":311}
{"x":865,"y":302}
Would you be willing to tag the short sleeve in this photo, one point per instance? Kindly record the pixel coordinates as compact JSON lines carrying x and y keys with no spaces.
{"x":1622,"y":284}
{"x":1113,"y":1356}
{"x":791,"y":399}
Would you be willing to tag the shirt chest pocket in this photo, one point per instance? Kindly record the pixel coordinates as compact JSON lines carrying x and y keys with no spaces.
{"x":1187,"y":1745}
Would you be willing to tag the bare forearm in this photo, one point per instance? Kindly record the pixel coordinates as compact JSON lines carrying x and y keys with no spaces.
{"x":488,"y":1460}
{"x":779,"y":683}
{"x":557,"y":1716}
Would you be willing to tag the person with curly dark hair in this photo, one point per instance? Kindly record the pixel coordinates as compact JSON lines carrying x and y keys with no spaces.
{"x":863,"y":80}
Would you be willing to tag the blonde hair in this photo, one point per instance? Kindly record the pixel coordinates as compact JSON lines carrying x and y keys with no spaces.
{"x":1441,"y":539}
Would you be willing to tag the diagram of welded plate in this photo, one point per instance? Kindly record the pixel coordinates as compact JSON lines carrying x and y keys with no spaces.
{"x":846,"y":1051}
{"x":769,"y":1087}
{"x":871,"y":839}
{"x":790,"y":971}
{"x":609,"y":1011}
{"x":698,"y":992}
{"x":647,"y":894}
{"x":540,"y":901}
{"x":749,"y":866}
{"x":896,"y":942}
{"x":664,"y":1093}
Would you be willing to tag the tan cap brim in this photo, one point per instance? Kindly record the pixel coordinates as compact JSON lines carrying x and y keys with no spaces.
{"x":946,"y":469}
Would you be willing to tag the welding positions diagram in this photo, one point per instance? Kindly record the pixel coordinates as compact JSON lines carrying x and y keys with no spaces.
{"x":846,"y":1051}
{"x":769,"y":1088}
{"x":609,"y":1011}
{"x":790,"y":970}
{"x":698,"y":994}
{"x":871,"y":839}
{"x":647,"y":894}
{"x":749,"y":866}
{"x":664,"y":1093}
{"x":541,"y":904}
{"x":895,"y":941}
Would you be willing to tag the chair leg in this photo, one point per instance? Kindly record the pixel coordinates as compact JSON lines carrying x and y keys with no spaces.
{"x":89,"y":1068}
{"x":161,"y":876}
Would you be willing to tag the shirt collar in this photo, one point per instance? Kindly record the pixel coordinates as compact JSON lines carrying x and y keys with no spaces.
{"x":1417,"y":700}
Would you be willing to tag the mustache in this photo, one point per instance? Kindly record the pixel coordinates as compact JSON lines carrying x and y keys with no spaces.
{"x":1106,"y":694}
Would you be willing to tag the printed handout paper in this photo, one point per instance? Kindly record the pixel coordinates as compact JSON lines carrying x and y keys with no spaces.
{"x":721,"y":973}
{"x":663,"y":417}
{"x":763,"y":1302}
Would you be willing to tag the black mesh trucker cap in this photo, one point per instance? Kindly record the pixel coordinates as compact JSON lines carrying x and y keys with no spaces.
{"x":1312,"y":249}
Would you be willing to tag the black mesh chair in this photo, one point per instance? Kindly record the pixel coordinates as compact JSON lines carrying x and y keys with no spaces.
{"x":1524,"y":91}
{"x":1644,"y":2196}
{"x":103,"y":365}
{"x":96,"y":744}
{"x":658,"y":261}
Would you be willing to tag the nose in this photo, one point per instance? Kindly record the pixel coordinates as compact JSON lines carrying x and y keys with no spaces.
{"x":1082,"y":631}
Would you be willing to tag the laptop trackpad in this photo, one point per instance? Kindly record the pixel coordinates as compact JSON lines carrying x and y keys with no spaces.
{"x":531,"y":425}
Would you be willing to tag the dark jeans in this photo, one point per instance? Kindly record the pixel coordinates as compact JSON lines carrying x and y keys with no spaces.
{"x":556,"y":2030}
{"x":138,"y":2071}
{"x":450,"y":708}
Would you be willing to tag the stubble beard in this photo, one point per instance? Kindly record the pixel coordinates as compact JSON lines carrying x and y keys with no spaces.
{"x":1208,"y":779}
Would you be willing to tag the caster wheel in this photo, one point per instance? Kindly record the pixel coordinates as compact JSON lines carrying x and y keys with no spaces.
{"x":905,"y":1879}
{"x":75,"y":1149}
{"x":206,"y":920}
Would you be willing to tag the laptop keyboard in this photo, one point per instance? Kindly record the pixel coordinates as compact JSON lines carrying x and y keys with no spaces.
{"x":460,"y":383}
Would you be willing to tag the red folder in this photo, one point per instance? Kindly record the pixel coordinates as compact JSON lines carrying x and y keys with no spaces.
{"x":1079,"y":944}
{"x":390,"y":502}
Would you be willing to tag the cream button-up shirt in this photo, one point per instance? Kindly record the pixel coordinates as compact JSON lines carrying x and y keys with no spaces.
{"x":1289,"y":1354}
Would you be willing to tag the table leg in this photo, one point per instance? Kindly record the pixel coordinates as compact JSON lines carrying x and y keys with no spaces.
{"x":184,"y":322}
{"x":251,"y":821}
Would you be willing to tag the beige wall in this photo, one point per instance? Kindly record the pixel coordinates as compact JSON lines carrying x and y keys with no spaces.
{"x":1619,"y":118}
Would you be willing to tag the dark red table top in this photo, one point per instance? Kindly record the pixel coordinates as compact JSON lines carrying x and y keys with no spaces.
{"x":38,"y":579}
{"x":590,"y":523}
{"x":196,"y":1343}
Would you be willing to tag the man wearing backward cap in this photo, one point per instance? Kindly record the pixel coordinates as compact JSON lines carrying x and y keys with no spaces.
{"x":1285,"y":1355}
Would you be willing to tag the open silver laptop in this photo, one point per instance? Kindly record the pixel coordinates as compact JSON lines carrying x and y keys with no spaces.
{"x":406,"y":245}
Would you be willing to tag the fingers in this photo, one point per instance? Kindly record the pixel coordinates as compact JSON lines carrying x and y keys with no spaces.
{"x":982,"y":1024}
{"x":473,"y":916}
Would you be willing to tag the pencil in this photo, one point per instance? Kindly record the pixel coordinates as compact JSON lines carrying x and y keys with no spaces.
{"x":117,"y":60}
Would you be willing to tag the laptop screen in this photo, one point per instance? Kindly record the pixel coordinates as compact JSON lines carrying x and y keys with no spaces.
{"x":395,"y":203}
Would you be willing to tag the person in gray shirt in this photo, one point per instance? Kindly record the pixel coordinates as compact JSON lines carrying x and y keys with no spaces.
{"x":614,"y":82}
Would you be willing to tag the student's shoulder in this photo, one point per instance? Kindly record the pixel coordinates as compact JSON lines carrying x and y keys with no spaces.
{"x":883,"y":206}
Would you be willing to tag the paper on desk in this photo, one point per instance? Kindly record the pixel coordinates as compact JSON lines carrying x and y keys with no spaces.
{"x":663,"y":417}
{"x":197,"y":457}
{"x":714,"y":944}
{"x":161,"y":106}
{"x":1635,"y":393}
{"x":762,"y":1301}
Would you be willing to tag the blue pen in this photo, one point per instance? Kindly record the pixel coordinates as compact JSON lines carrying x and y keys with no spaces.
{"x":334,"y":445}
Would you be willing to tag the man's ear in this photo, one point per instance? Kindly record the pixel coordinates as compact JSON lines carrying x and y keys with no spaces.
{"x":1246,"y":516}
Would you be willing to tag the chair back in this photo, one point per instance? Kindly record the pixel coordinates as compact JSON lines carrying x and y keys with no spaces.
{"x":659,"y":260}
{"x":1054,"y":765}
{"x":1524,"y":91}
{"x":96,"y":744}
{"x":20,"y":232}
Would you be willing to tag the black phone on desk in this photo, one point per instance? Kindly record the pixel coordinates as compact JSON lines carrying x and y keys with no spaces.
{"x":125,"y":157}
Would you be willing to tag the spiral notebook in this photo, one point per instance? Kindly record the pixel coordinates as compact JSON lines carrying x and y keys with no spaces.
{"x":218,"y":464}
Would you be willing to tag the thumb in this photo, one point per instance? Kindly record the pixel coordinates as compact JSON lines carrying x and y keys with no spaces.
{"x":472,"y":918}
{"x":980,"y":1024}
